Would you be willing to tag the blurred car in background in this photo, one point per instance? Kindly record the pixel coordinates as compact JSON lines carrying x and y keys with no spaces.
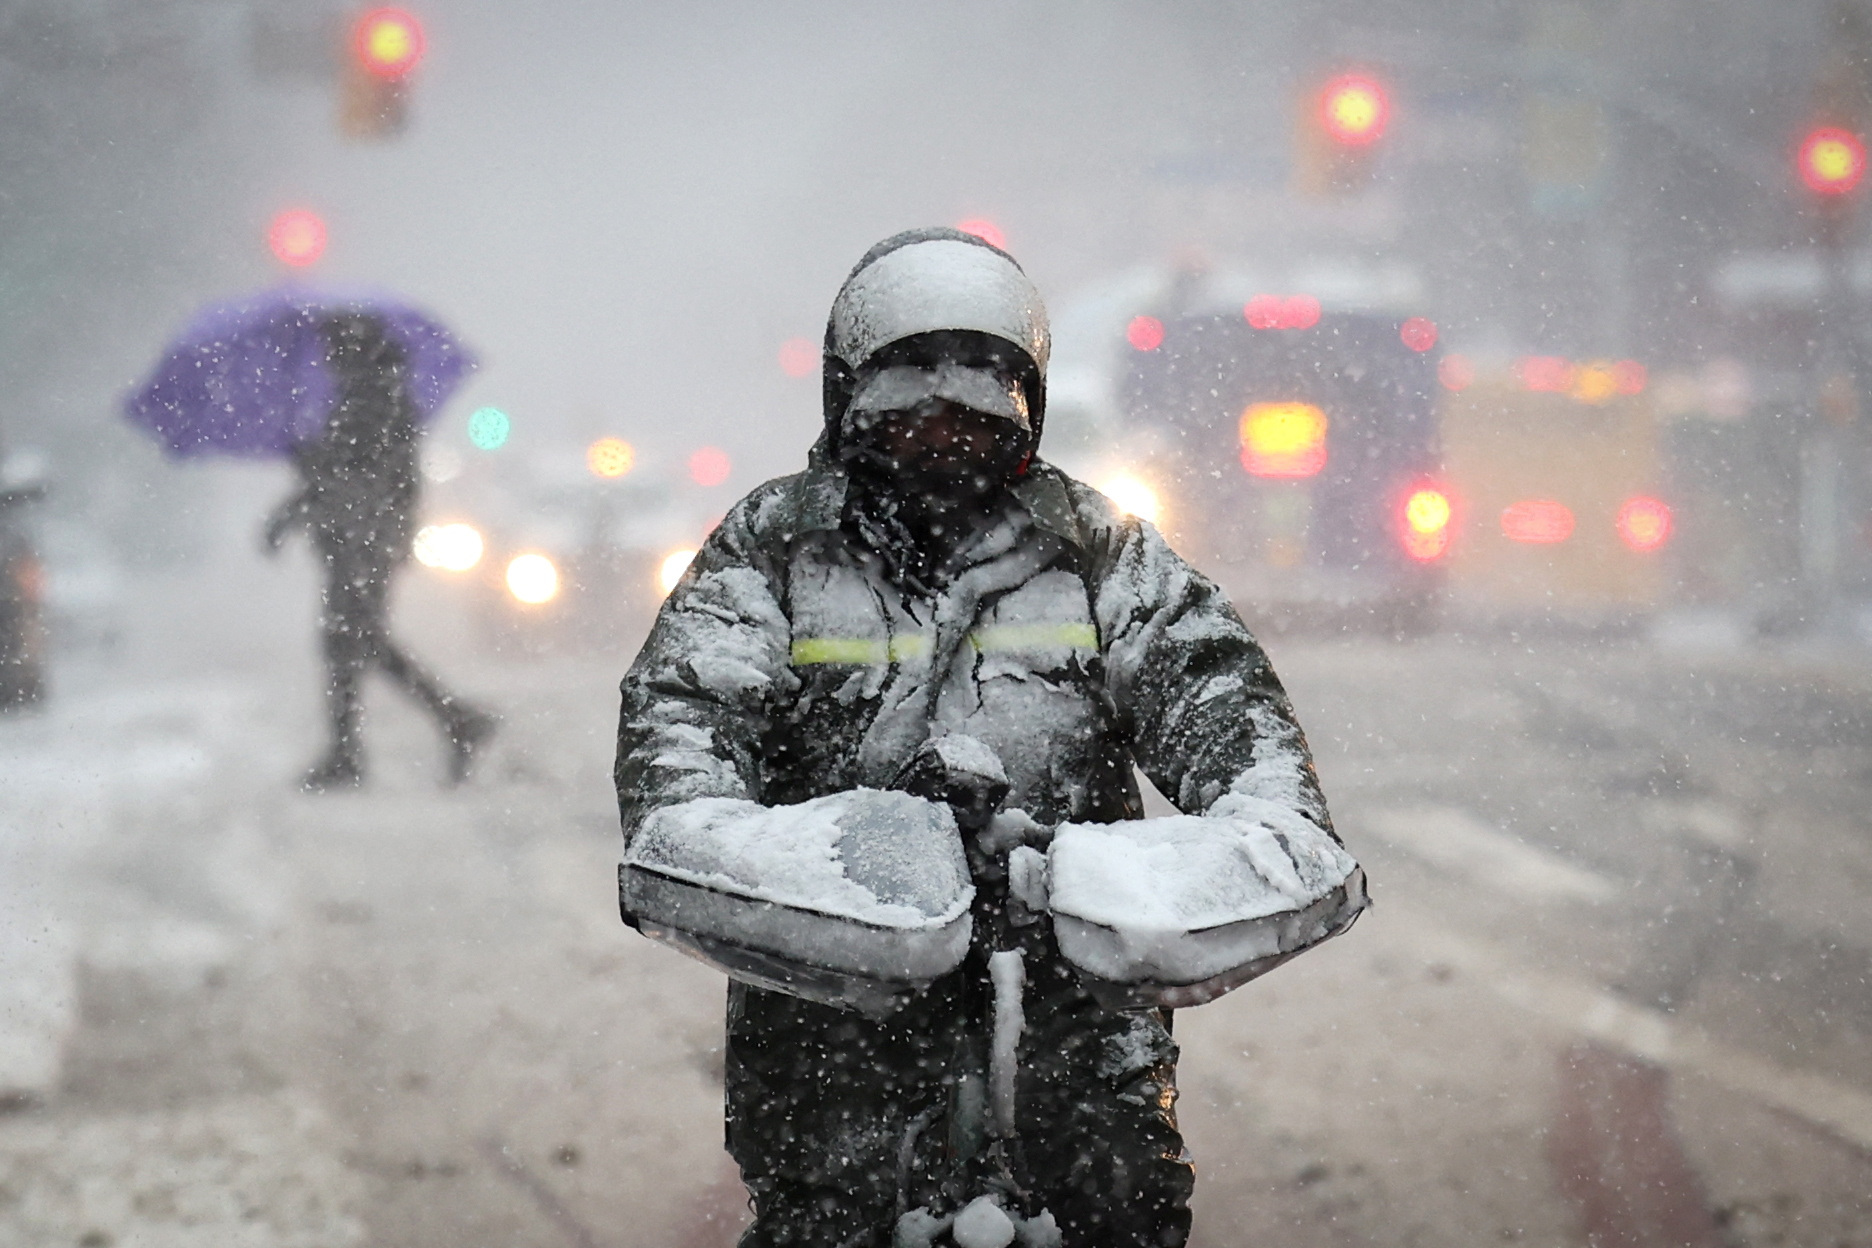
{"x":1557,"y":473}
{"x":546,"y":559}
{"x":22,"y":593}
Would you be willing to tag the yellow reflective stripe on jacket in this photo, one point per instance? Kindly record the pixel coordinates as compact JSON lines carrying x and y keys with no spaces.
{"x":866,"y":652}
{"x":859,"y":650}
{"x":810,"y":650}
{"x":1035,"y":637}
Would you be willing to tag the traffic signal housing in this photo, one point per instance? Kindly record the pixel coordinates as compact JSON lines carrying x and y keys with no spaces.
{"x":1832,"y":161}
{"x":296,"y":237}
{"x":1340,"y":127}
{"x":1353,"y":109}
{"x":382,"y":49}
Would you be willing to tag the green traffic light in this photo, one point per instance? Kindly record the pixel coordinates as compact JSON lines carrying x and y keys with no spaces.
{"x":488,"y":428}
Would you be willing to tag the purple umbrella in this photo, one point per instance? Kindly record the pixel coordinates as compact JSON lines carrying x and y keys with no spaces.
{"x":250,"y":378}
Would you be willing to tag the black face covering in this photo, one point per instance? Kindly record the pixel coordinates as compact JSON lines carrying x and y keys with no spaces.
{"x":925,"y":480}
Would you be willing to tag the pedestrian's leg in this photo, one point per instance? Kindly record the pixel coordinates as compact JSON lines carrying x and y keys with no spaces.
{"x":465,"y":726}
{"x":344,"y":641}
{"x":412,"y":678}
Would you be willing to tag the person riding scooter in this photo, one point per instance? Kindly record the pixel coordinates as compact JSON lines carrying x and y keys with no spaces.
{"x":930,"y":611}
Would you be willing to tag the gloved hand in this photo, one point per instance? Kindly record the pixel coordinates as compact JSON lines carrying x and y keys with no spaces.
{"x":279,"y":524}
{"x":1006,"y":849}
{"x":961,"y":772}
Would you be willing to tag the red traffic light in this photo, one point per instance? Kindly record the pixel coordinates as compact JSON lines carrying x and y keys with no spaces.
{"x":799,"y":357}
{"x":984,"y":229}
{"x":1832,"y":160}
{"x":1643,"y":523}
{"x":710,"y":466}
{"x":388,"y":43}
{"x":297,"y":237}
{"x":1354,"y":110}
{"x":1419,"y":333}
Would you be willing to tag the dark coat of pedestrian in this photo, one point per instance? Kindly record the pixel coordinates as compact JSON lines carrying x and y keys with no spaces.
{"x":357,"y":501}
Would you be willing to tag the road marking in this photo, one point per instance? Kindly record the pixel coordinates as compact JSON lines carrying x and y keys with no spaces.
{"x":1460,"y":843}
{"x":1616,"y":1153}
{"x":1587,"y":1009}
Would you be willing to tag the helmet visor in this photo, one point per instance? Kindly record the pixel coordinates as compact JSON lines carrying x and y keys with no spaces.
{"x":902,"y":387}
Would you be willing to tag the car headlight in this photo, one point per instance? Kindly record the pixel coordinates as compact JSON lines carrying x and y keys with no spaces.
{"x":1133,"y":496}
{"x":451,"y":547}
{"x":673,"y":566}
{"x":532,"y":579}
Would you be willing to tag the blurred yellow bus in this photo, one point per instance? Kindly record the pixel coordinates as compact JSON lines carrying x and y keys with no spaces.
{"x":1555,"y":480}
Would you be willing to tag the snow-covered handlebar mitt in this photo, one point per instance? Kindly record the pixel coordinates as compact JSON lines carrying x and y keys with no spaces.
{"x":1177,"y":911}
{"x":855,"y":899}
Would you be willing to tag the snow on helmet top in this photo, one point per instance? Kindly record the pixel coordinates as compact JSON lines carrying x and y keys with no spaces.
{"x":929,"y":282}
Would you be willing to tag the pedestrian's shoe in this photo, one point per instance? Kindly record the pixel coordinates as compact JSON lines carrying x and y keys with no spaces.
{"x":336,"y":771}
{"x":467,"y":732}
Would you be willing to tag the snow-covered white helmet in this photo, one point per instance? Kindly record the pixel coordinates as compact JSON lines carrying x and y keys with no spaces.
{"x":926,"y":281}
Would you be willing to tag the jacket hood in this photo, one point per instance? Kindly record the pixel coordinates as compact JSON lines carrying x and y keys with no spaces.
{"x":930,"y":281}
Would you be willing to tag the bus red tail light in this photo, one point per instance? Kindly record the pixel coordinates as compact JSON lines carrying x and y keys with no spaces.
{"x":1644,"y":524}
{"x":1426,"y":523}
{"x":1354,"y":109}
{"x":1832,"y":160}
{"x":1277,"y":312}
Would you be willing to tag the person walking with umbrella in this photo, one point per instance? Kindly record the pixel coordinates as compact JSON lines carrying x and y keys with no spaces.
{"x":358,"y":501}
{"x":339,"y":388}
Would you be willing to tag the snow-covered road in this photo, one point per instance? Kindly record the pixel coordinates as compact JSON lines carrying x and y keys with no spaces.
{"x":1614,"y":979}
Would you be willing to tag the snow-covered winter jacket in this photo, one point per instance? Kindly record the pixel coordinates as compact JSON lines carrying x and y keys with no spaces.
{"x":1072,"y":641}
{"x":1069,"y":638}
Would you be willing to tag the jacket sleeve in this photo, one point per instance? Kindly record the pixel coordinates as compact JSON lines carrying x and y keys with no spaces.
{"x":695,"y":703}
{"x":1210,"y":724}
